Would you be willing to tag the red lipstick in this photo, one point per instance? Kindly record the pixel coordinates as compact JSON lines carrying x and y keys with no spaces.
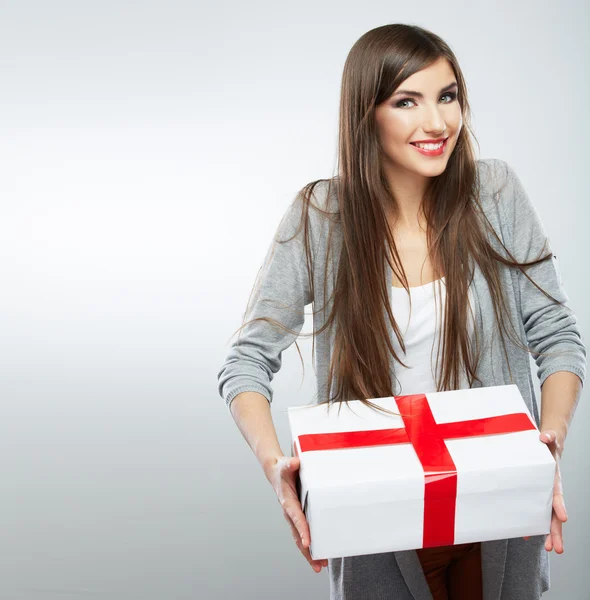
{"x":425,"y":152}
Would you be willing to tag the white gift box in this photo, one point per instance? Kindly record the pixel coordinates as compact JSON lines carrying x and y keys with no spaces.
{"x":459,"y":466}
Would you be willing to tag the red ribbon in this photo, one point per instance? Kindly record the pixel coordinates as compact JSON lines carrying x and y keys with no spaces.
{"x":428,"y":439}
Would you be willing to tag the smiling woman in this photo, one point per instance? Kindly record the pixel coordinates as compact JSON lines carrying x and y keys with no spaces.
{"x":403,"y":213}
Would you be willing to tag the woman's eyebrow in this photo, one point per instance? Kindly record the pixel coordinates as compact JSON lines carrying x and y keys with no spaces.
{"x":420,"y":95}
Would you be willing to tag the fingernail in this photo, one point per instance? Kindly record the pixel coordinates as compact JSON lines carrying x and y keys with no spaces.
{"x":546,"y":436}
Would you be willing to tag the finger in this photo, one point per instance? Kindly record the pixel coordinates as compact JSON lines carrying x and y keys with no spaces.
{"x":315,"y":564}
{"x":549,"y":437}
{"x":290,"y":464}
{"x":548,"y":543}
{"x":559,"y":507}
{"x":297,"y":540}
{"x":557,"y":481}
{"x":299,"y":521}
{"x":556,"y":535}
{"x":292,"y":508}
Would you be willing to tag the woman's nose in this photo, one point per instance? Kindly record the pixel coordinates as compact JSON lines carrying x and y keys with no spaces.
{"x":434,"y":123}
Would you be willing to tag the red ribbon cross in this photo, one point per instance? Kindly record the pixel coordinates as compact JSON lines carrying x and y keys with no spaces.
{"x":428,"y":439}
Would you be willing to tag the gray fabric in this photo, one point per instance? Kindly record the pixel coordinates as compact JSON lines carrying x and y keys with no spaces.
{"x":513,"y":569}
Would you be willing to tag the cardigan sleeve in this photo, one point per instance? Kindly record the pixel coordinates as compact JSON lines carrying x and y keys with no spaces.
{"x":281,"y":292}
{"x":550,"y":328}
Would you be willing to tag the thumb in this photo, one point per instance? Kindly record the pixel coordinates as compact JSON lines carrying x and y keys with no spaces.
{"x":294,"y":463}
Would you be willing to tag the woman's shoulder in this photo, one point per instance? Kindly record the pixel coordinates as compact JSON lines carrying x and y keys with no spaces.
{"x":308,"y":215}
{"x":508,"y":207}
{"x":500,"y":189}
{"x":322,"y":196}
{"x":493,"y":175}
{"x":316,"y":202}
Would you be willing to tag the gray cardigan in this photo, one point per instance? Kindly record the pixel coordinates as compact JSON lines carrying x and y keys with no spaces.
{"x":513,"y":569}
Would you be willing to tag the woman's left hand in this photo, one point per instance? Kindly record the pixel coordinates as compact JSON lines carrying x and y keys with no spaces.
{"x":554,"y":540}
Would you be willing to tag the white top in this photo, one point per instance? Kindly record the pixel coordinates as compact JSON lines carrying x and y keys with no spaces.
{"x":421,"y":331}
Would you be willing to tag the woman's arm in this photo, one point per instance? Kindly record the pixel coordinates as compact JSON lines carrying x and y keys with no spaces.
{"x":559,"y":397}
{"x":552,"y":331}
{"x":252,"y":414}
{"x":281,"y":292}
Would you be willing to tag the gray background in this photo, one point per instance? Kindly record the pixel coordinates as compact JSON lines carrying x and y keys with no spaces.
{"x":148,"y":151}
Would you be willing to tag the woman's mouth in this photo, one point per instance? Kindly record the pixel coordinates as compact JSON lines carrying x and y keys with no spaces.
{"x":431,"y":149}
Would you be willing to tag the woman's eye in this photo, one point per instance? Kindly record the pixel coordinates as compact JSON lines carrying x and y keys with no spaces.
{"x":451,"y":95}
{"x":399,"y":104}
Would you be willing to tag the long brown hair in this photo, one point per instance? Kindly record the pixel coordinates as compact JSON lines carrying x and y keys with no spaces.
{"x":458,"y":233}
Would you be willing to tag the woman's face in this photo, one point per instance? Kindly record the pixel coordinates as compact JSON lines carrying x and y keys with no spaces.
{"x":404,"y":119}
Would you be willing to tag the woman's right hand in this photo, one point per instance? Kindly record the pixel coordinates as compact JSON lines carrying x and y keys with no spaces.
{"x":282,"y":474}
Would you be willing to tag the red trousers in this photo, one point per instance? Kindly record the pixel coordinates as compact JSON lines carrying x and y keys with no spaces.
{"x":453,"y":572}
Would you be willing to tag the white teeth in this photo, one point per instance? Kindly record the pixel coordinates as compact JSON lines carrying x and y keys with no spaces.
{"x":430,"y":146}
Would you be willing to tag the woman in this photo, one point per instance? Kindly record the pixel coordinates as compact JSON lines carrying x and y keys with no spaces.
{"x":428,"y":270}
